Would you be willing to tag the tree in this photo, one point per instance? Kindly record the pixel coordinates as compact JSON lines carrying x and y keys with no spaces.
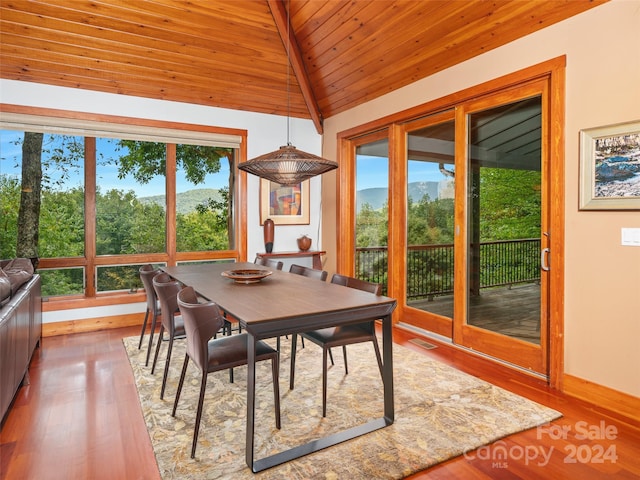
{"x":29,"y":213}
{"x":510,"y":204}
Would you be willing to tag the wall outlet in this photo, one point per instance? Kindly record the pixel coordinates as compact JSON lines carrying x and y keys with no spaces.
{"x":631,"y":237}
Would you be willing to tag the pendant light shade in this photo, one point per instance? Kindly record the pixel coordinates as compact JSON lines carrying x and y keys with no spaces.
{"x":288,"y":165}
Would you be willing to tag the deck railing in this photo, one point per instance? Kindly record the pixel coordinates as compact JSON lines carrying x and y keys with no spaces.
{"x":430,"y":267}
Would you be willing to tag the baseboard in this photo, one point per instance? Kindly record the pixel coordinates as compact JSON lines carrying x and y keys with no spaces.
{"x":91,"y":324}
{"x":606,"y":397}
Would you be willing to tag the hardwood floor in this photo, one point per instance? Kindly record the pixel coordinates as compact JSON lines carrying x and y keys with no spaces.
{"x":80,"y":419}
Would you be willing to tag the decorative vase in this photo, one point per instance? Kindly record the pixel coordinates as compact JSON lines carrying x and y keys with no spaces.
{"x":269,"y":228}
{"x":304,"y":243}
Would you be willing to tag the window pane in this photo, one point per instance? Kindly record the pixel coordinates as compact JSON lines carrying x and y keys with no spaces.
{"x":130,"y":193}
{"x":63,"y":281}
{"x":204,"y":217}
{"x":372,"y":211}
{"x":120,"y":277}
{"x":505,"y":216}
{"x":61,"y":220}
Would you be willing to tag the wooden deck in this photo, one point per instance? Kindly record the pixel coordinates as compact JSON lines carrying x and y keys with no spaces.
{"x":512,"y":311}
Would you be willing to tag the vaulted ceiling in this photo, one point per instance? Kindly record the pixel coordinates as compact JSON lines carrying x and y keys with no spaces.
{"x":234,"y":53}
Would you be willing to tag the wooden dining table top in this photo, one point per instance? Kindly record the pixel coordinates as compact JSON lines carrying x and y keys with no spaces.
{"x":282,"y":302}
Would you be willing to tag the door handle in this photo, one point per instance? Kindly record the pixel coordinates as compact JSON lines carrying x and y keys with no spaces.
{"x":543,"y":259}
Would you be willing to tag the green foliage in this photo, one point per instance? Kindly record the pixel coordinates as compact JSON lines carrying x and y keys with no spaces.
{"x":124,"y":225}
{"x":9,"y":206}
{"x":372,"y":227}
{"x":145,"y":160}
{"x":62,"y":223}
{"x":510,"y":204}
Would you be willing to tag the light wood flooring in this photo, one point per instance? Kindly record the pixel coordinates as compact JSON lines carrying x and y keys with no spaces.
{"x":80,"y":419}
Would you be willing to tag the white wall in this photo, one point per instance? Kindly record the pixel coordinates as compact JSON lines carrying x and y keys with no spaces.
{"x":602,"y":291}
{"x":264,"y":134}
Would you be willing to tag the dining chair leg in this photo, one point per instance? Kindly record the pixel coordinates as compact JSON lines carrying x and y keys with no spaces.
{"x":275,"y":373}
{"x":144,"y":326}
{"x":182,"y":375}
{"x":292,"y":368}
{"x":344,"y":354}
{"x":324,"y":382}
{"x":153,"y":329}
{"x":196,"y":428}
{"x":166,"y":367}
{"x":331,"y":357}
{"x":155,"y":357}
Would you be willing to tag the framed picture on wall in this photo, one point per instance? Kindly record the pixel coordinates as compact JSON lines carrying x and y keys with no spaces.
{"x":610,"y":167}
{"x":284,"y":204}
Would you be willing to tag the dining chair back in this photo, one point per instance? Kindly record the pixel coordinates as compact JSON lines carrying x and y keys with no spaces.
{"x":167,"y":290}
{"x":268,"y":262}
{"x":147,"y":272}
{"x":341,"y":336}
{"x":308,"y":272}
{"x":202,"y":321}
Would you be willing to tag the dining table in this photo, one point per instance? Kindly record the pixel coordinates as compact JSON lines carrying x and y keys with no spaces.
{"x":271,"y":303}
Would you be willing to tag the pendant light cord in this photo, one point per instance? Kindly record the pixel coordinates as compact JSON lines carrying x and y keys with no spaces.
{"x":288,"y":68}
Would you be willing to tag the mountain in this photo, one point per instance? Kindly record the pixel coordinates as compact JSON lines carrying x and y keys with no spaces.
{"x":377,"y":197}
{"x":186,"y":201}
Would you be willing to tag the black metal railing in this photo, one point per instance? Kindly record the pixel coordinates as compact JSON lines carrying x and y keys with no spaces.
{"x":430,"y":267}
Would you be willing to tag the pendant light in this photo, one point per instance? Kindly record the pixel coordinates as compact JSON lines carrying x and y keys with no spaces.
{"x":288,"y":165}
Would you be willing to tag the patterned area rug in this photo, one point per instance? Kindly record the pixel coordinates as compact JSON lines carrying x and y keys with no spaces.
{"x":440,"y":413}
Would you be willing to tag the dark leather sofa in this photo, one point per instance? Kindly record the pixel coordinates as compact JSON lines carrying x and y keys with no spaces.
{"x":20,"y":326}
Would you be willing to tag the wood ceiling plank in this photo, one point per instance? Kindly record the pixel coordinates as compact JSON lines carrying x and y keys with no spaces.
{"x":141,"y":82}
{"x":228,"y":53}
{"x":14,"y":35}
{"x":486,"y":33}
{"x":281,"y":19}
{"x":147,"y":30}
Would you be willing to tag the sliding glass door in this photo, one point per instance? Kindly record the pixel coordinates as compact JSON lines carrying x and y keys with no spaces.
{"x":503,"y":311}
{"x":466,"y":227}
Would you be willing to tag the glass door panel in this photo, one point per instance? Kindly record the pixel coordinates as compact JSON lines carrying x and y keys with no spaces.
{"x":430,"y":218}
{"x":504,"y":181}
{"x":372,"y":211}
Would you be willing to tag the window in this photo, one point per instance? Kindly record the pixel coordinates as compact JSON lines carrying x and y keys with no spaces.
{"x":149,"y":193}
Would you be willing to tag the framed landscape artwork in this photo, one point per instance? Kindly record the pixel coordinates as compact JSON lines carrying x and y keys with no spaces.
{"x":284,"y":204}
{"x":610,"y":167}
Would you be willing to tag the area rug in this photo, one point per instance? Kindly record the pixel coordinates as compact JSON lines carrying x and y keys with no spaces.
{"x":440,"y":413}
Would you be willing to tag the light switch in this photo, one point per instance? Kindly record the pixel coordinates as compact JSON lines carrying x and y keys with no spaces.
{"x":631,"y":237}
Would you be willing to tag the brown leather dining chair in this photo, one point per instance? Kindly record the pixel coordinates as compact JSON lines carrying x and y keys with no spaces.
{"x":311,"y":273}
{"x":147,"y":272}
{"x":341,"y":336}
{"x":167,"y":290}
{"x":202,"y":321}
{"x":268,"y":262}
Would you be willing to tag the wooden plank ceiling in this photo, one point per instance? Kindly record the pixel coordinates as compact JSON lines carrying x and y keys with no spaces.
{"x":233,"y":53}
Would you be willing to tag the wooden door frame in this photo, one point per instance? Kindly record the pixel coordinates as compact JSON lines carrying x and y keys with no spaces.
{"x":554,"y":71}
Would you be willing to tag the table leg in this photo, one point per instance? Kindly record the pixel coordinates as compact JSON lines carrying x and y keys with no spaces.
{"x":251,"y":398}
{"x":387,"y":368}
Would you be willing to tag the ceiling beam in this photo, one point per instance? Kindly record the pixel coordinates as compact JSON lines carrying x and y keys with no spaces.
{"x":279,"y":12}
